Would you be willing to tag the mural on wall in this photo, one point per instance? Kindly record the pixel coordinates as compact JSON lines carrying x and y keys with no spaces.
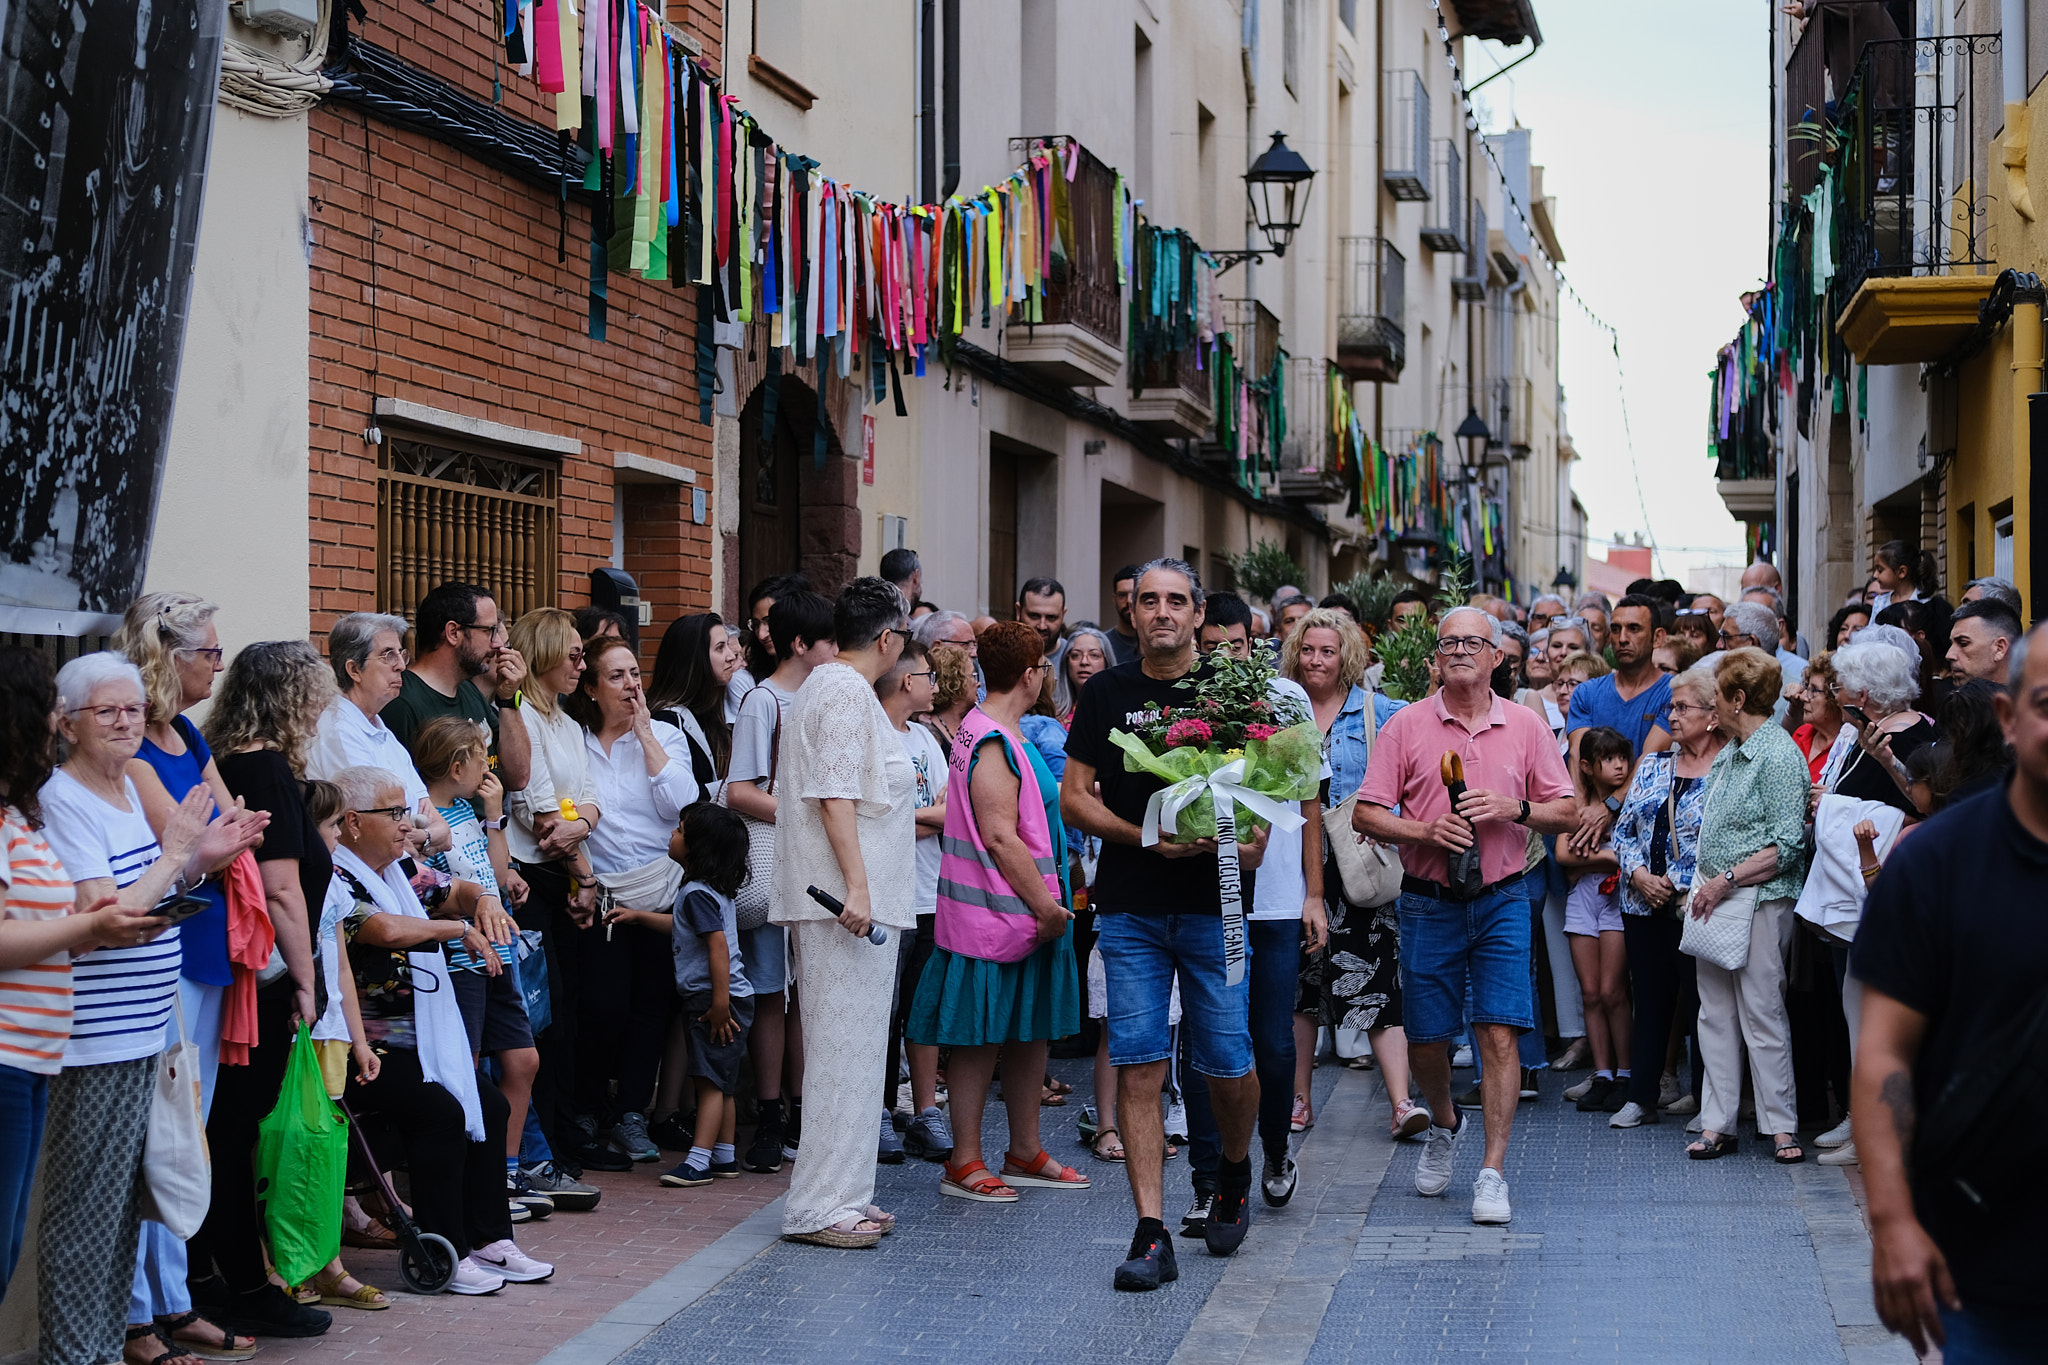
{"x":106,"y":109}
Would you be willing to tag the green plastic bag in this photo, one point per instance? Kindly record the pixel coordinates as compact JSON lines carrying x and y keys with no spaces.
{"x":302,"y":1169}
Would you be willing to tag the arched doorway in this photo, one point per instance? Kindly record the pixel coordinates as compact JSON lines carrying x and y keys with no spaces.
{"x":794,"y":514}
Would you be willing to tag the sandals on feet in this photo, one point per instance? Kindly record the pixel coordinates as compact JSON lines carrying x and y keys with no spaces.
{"x":1109,"y":1145}
{"x":962,"y":1183}
{"x":1712,"y":1149}
{"x":885,"y":1221}
{"x":365,"y":1296}
{"x":234,"y":1345}
{"x":853,"y":1235}
{"x":172,"y":1350}
{"x":1778,"y":1151}
{"x":1043,"y":1172}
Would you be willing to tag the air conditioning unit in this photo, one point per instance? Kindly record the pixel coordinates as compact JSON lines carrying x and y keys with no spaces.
{"x":296,"y":18}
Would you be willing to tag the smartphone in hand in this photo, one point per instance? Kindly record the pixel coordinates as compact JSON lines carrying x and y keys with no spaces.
{"x":179,"y":908}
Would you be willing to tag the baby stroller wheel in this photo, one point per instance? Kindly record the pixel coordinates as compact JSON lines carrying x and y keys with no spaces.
{"x":426,"y":1262}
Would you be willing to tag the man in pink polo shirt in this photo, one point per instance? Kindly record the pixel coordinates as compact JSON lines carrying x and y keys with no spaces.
{"x":1515,"y":781}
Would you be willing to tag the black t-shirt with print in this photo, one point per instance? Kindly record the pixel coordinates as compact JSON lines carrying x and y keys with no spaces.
{"x":1956,"y":929}
{"x":1129,"y":879}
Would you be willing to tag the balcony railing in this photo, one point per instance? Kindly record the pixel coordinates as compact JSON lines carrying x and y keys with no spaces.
{"x":1372,"y":338}
{"x":1254,"y":335}
{"x":1817,"y":76}
{"x":1912,"y":195}
{"x":1469,"y":284}
{"x":1404,"y":151}
{"x":1170,"y":394}
{"x":1443,"y":226}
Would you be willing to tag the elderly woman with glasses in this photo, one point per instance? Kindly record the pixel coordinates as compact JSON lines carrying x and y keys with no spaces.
{"x":367,"y":651}
{"x":846,"y":824}
{"x":125,"y":1008}
{"x":1656,"y":841}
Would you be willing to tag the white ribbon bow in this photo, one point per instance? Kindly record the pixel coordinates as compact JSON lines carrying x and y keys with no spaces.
{"x":1224,"y":787}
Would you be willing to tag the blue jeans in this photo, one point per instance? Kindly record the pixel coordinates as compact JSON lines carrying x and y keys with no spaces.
{"x":1275,"y":947}
{"x":1530,"y":1047}
{"x":1448,"y":946}
{"x":24,"y":1097}
{"x":1992,"y":1336}
{"x":1141,"y":955}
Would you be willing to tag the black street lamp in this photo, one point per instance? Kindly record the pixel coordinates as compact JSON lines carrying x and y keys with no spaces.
{"x":1474,"y":437}
{"x":1277,"y":188}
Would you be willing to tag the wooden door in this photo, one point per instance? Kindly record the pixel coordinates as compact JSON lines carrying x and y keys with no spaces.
{"x":769,"y":506}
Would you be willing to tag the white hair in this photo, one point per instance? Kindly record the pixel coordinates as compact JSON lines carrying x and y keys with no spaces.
{"x":1492,"y":622}
{"x":1700,"y":681}
{"x":1894,"y":636}
{"x":1577,"y":623}
{"x":926,"y":630}
{"x":1879,"y":670}
{"x":361,"y":785}
{"x":350,"y":638}
{"x":1549,"y":597}
{"x":1755,"y":620}
{"x":88,"y":673}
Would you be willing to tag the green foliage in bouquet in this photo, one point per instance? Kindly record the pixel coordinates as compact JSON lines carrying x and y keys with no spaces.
{"x":1406,"y":650}
{"x":1263,"y":570}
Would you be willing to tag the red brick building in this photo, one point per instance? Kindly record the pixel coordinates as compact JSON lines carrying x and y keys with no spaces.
{"x":464,"y":423}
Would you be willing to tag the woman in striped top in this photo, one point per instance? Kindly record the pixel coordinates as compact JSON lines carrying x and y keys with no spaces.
{"x":42,"y":926}
{"x":122,"y":1001}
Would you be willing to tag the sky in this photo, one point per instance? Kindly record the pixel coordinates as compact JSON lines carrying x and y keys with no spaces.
{"x":1651,"y":122}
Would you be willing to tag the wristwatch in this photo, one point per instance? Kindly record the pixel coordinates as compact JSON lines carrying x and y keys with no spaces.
{"x":1523,"y":818}
{"x":1729,"y":876}
{"x":1613,"y":804}
{"x":498,"y":823}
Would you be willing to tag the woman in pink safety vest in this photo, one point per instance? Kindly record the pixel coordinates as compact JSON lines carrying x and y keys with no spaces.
{"x":1001,"y":982}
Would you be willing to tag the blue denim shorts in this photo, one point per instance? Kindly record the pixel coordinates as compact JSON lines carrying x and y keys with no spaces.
{"x":1446,"y":945}
{"x":1140,"y":956}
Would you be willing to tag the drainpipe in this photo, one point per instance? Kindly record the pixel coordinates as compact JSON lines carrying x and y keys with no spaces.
{"x":951,"y":119}
{"x":928,"y":100}
{"x":2012,"y":49}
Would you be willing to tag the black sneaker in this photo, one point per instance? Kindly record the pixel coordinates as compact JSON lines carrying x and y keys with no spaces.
{"x":793,"y":1128}
{"x":764,"y":1153}
{"x":1151,"y":1263}
{"x":1617,"y":1096}
{"x":1473,"y":1098}
{"x":1530,"y":1088}
{"x":270,"y":1312}
{"x":600,"y":1155}
{"x":1230,"y":1218}
{"x":1594,"y":1101}
{"x":1278,"y":1180}
{"x":674,"y":1132}
{"x":1197,"y":1217}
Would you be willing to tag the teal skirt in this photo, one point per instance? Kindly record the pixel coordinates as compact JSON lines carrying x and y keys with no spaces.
{"x":969,"y":1002}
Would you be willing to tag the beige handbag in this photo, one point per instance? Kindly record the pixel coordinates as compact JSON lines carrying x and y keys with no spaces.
{"x":1368,"y":872}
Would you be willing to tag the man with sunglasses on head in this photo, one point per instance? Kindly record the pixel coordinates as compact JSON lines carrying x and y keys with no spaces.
{"x":463,"y":665}
{"x":1473,"y":936}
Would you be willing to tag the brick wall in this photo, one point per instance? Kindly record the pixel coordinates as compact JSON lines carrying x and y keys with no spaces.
{"x":435,"y":280}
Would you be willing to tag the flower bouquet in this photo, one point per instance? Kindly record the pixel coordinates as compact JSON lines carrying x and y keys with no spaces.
{"x":1235,"y":735}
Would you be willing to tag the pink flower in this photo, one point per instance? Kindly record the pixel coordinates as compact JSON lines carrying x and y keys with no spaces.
{"x":1188,"y":732}
{"x":1259,"y":730}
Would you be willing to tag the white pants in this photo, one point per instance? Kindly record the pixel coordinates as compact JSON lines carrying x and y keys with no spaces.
{"x":1564,"y":977}
{"x":844,"y":983}
{"x":1747,"y":1007}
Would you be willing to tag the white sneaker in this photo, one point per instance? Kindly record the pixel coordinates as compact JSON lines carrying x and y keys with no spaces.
{"x":471,"y":1278}
{"x":1461,"y":1057}
{"x":1490,"y":1197}
{"x":1579,"y":1091}
{"x":1844,"y":1155}
{"x":1838,"y":1136}
{"x":1433,"y":1172}
{"x":1177,"y":1123}
{"x":1631,"y":1115}
{"x":506,"y":1259}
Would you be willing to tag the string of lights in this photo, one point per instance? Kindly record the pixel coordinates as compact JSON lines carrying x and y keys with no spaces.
{"x":1564,"y":284}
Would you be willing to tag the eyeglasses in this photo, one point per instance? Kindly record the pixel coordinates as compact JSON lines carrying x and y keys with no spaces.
{"x":395,"y":657}
{"x":575,"y":656}
{"x":212,"y":654}
{"x":110,"y":715}
{"x":1679,"y":708}
{"x":1462,"y":644}
{"x":931,"y":673}
{"x":1727,"y":635}
{"x":498,"y":630}
{"x":901,"y":634}
{"x":399,"y":813}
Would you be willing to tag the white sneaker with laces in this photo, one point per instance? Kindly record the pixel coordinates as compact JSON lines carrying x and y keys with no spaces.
{"x":1838,"y":1136}
{"x":1433,"y":1172}
{"x":505,"y":1258}
{"x":1177,"y":1123}
{"x":1490,"y":1197}
{"x":471,"y":1278}
{"x":1844,"y":1155}
{"x":1461,"y":1057}
{"x":1630,"y":1115}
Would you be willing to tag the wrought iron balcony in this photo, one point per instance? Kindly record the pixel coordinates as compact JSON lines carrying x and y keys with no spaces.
{"x":1372,"y":337}
{"x":1443,"y":227}
{"x":1078,"y":337}
{"x":1404,"y":125}
{"x":1308,"y":463}
{"x":1172,"y":397}
{"x":1469,"y":284}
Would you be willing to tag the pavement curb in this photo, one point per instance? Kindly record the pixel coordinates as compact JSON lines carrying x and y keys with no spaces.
{"x":620,"y":1330}
{"x":1841,"y":1244}
{"x":1278,"y":1287}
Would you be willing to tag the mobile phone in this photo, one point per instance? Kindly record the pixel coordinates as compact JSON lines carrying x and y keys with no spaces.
{"x":179,"y":908}
{"x":1857,"y":714}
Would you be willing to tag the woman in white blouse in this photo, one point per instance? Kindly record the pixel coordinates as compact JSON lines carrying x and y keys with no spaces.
{"x":640,"y":770}
{"x":846,"y":824}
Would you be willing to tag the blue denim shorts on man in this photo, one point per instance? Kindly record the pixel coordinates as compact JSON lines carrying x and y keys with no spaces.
{"x":1140,"y":956}
{"x":1447,"y":946}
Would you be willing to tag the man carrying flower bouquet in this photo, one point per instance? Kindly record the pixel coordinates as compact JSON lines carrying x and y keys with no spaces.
{"x":1465,"y":922}
{"x":1161,"y":914}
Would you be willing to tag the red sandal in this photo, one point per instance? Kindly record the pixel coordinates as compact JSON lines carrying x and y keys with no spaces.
{"x":962,"y":1183}
{"x":1043,"y":1172}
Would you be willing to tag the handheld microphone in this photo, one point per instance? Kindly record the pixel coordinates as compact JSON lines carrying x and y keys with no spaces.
{"x":877,"y":935}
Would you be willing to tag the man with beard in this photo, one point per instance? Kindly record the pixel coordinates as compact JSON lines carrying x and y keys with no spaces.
{"x":463,"y":666}
{"x":1124,"y":637}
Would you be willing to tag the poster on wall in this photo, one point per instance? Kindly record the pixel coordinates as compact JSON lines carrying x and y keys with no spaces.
{"x":106,"y":110}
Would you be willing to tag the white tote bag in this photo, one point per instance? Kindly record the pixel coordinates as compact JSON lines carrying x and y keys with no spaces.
{"x":1722,"y":938}
{"x":177,"y":1172}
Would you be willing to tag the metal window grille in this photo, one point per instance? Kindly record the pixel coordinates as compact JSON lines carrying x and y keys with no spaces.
{"x":449,"y":513}
{"x":1444,"y":228}
{"x":1372,"y":339}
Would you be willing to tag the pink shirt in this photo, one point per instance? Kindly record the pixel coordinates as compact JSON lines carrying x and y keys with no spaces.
{"x":1512,"y":752}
